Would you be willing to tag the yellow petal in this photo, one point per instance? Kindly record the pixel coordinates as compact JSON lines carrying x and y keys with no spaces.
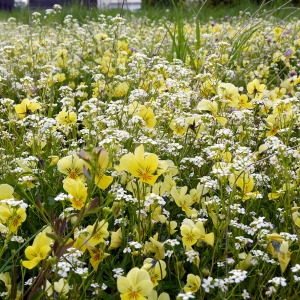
{"x":209,"y":238}
{"x":30,"y":264}
{"x":207,"y":105}
{"x":129,"y":164}
{"x":41,"y":240}
{"x":221,"y":120}
{"x":33,"y":106}
{"x":123,"y":285}
{"x":6,"y":191}
{"x":246,"y":263}
{"x":151,"y":163}
{"x":61,"y":286}
{"x":284,"y":256}
{"x":103,"y":181}
{"x":5,"y":277}
{"x":116,"y":239}
{"x":54,"y":160}
{"x":5,"y":213}
{"x":139,"y":154}
{"x":103,"y":159}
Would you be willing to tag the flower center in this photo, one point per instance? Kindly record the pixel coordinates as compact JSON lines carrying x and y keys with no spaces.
{"x":73,"y":175}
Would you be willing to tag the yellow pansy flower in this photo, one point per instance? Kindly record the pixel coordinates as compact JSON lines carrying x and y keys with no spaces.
{"x":120,"y":90}
{"x":229,"y":94}
{"x":255,"y":89}
{"x":154,"y":246}
{"x":245,"y":183}
{"x":77,"y":190}
{"x":183,"y":200}
{"x":12,"y":216}
{"x":61,"y":57}
{"x":39,"y":250}
{"x":284,"y":255}
{"x":62,"y":287}
{"x":26,"y":107}
{"x":137,"y":285}
{"x":54,"y":160}
{"x":296,"y":215}
{"x":5,"y":277}
{"x":156,"y":269}
{"x":59,"y":77}
{"x":190,"y":233}
{"x":97,"y":256}
{"x":192,"y":284}
{"x":101,"y":164}
{"x":66,"y":118}
{"x":139,"y":165}
{"x":208,"y":238}
{"x":146,"y":113}
{"x":211,"y":106}
{"x":243,"y":102}
{"x":179,"y":126}
{"x":246,"y":261}
{"x":97,"y":233}
{"x":72,"y":166}
{"x":80,"y":240}
{"x":279,"y":248}
{"x":273,"y":123}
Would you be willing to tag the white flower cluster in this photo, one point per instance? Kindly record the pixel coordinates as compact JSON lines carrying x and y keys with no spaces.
{"x":69,"y":261}
{"x":118,"y":272}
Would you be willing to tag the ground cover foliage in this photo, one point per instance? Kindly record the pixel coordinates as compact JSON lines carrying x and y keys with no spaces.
{"x":149,"y":159}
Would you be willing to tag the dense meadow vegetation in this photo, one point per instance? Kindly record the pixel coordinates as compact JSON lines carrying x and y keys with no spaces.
{"x":150,"y":158}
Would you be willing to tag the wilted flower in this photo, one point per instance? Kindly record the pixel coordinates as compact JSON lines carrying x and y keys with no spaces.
{"x":98,"y":166}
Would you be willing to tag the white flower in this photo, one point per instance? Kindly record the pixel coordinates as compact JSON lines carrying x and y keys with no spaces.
{"x":29,"y":281}
{"x":81,"y":271}
{"x":61,"y":197}
{"x":186,"y":296}
{"x":296,"y":278}
{"x":127,"y":250}
{"x":17,"y":239}
{"x":207,"y":284}
{"x":270,"y":291}
{"x":245,"y":294}
{"x":169,"y":253}
{"x":172,"y":242}
{"x":296,"y":268}
{"x":278,"y":281}
{"x":230,"y":261}
{"x":118,"y":272}
{"x":238,"y":276}
{"x":221,"y":284}
{"x":136,"y":245}
{"x":192,"y":255}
